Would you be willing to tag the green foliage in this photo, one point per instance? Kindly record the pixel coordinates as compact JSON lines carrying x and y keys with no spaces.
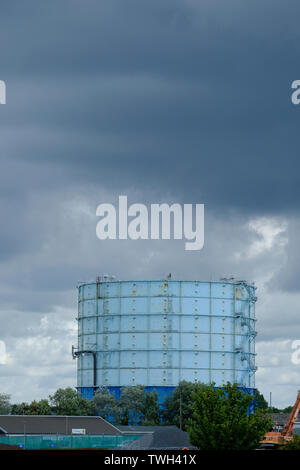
{"x":104,"y":404}
{"x":294,"y":444}
{"x":178,"y":406}
{"x":275,"y":410}
{"x":151,"y":415}
{"x":132,"y":405}
{"x":19,"y":408}
{"x":221,"y":420}
{"x":5,"y":405}
{"x":41,"y":407}
{"x":288,"y":409}
{"x":69,"y":402}
{"x":260,"y":401}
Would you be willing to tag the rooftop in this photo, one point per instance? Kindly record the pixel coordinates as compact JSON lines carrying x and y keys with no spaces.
{"x":157,"y":437}
{"x":36,"y":424}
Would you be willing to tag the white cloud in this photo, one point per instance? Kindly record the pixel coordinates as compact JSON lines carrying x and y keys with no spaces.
{"x":276,"y":373}
{"x":270,"y":234}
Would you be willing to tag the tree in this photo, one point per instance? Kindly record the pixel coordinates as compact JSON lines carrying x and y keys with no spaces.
{"x":221,"y":420}
{"x":260,"y":401}
{"x":288,"y":409}
{"x":104,"y":404}
{"x":132,"y":405}
{"x":275,"y":410}
{"x":294,"y":444}
{"x":151,"y":415}
{"x":5,"y":405}
{"x":20,"y":408}
{"x":69,"y":402}
{"x":177,"y":409}
{"x":41,"y":407}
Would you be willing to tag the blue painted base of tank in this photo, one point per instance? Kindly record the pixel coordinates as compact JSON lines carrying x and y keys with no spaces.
{"x":249,"y":391}
{"x":163,"y":392}
{"x":86,"y":392}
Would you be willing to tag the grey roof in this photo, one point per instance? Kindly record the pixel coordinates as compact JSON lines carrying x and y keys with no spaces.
{"x":158,"y":437}
{"x":33,"y":424}
{"x":279,"y":419}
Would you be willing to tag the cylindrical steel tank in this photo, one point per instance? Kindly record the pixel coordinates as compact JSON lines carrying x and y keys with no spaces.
{"x":157,"y":333}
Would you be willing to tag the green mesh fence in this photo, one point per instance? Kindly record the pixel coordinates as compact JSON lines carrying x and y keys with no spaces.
{"x":70,"y":442}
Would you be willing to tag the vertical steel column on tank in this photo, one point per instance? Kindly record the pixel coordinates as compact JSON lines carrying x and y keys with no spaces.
{"x":156,"y":333}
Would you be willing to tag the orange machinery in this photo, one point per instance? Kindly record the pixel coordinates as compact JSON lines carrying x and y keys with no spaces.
{"x":280,"y":438}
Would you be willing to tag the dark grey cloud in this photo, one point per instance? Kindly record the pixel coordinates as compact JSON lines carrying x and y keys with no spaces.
{"x":192,"y":97}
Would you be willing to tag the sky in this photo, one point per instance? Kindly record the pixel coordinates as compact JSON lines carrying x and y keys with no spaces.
{"x":165,"y":101}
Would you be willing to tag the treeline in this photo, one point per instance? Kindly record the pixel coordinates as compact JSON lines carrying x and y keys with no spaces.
{"x":135,"y":406}
{"x":216,"y":418}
